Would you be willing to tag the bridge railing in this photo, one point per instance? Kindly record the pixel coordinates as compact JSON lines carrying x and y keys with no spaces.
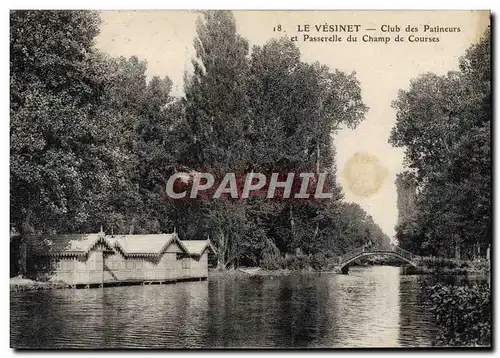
{"x":356,"y":252}
{"x":403,"y":253}
{"x":349,"y":255}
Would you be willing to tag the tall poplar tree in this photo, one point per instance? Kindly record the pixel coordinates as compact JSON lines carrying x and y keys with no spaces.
{"x":444,"y":124}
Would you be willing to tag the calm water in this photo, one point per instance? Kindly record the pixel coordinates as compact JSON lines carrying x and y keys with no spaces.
{"x":370,"y":307}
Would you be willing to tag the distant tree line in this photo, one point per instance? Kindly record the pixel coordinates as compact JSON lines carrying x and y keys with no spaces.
{"x":444,"y":124}
{"x":93,"y":141}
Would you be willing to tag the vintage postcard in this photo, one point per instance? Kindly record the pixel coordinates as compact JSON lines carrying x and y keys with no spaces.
{"x":250,"y":179}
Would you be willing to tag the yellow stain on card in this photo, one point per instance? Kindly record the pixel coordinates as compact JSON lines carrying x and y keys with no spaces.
{"x":364,"y":175}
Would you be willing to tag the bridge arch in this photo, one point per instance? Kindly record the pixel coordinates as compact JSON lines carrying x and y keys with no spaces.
{"x":346,"y":260}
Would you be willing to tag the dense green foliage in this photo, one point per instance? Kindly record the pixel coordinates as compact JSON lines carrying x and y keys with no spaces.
{"x":93,"y":142}
{"x":444,"y":124}
{"x":462,"y":314}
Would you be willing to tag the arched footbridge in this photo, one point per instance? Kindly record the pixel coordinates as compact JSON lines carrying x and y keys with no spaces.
{"x":342,"y":262}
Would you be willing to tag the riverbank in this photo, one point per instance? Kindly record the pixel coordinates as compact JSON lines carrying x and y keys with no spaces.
{"x":444,"y":266}
{"x":20,"y":283}
{"x":426,"y":266}
{"x":254,"y":272}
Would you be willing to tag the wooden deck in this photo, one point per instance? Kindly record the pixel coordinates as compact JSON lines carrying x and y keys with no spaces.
{"x":137,"y":282}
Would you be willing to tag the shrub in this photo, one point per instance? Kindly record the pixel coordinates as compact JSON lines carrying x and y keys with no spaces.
{"x":439,"y":263}
{"x":319,"y":261}
{"x":297,"y":262}
{"x":271,"y":262}
{"x":479,"y":266}
{"x":271,"y":258}
{"x":463,"y":314}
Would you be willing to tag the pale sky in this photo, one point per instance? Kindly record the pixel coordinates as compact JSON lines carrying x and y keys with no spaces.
{"x":165,"y":40}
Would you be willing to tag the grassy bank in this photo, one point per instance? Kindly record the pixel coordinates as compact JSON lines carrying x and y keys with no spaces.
{"x":444,"y":266}
{"x":248,"y":272}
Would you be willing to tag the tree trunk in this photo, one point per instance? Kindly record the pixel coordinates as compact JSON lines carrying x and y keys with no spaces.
{"x":316,"y":231}
{"x":457,"y":249}
{"x":23,"y":258}
{"x":25,"y":231}
{"x":317,"y":158}
{"x":317,"y":173}
{"x":221,"y":252}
